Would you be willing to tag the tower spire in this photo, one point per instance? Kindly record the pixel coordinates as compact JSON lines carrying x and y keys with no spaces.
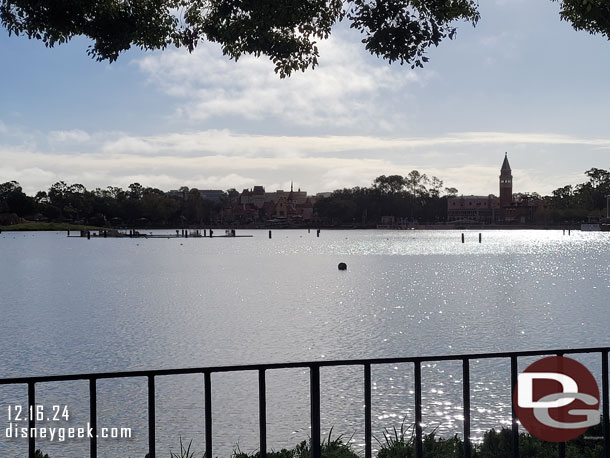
{"x":506,"y":184}
{"x":505,"y":164}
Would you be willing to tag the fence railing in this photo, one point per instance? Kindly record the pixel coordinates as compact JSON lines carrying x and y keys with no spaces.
{"x":314,"y":371}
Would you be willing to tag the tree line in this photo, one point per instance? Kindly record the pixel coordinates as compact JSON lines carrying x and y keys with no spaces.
{"x":413,"y":198}
{"x":577,"y":203}
{"x":112,"y":206}
{"x":418,"y":198}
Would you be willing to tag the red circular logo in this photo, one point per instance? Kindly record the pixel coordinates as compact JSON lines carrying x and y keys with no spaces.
{"x":557,"y":399}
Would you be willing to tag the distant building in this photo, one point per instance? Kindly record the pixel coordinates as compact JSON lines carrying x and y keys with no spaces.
{"x":490,"y":209}
{"x":298,"y":197}
{"x":506,"y":183}
{"x":473,"y":209}
{"x":214,"y":195}
{"x":210,"y":194}
{"x":255,"y":196}
{"x":256,"y":205}
{"x":522,"y":211}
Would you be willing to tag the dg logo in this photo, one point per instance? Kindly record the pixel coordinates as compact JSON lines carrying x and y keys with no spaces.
{"x":557,"y":399}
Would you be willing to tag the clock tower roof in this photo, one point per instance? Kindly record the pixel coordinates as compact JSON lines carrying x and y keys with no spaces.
{"x":505,"y":164}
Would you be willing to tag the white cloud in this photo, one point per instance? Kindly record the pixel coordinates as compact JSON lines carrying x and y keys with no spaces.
{"x":226,"y":142}
{"x":346,"y":90}
{"x":75,"y":136}
{"x":224,"y":159}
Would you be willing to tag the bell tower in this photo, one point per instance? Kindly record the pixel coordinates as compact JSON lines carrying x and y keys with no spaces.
{"x":506,"y":183}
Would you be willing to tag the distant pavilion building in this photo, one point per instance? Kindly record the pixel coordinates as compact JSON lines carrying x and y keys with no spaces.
{"x":490,"y":209}
{"x":472,"y":209}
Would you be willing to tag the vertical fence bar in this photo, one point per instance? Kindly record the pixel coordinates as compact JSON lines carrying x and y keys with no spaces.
{"x":466,"y":403}
{"x":208,"y":412}
{"x":419,"y":449}
{"x":515,"y":425}
{"x":93,"y":417}
{"x":316,"y":449}
{"x":605,"y":400}
{"x":31,"y":418}
{"x":262,"y":412}
{"x":561,"y":446}
{"x":368,"y":436}
{"x":151,"y":417}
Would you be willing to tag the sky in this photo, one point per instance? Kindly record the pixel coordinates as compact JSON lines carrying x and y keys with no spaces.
{"x":521,"y":82}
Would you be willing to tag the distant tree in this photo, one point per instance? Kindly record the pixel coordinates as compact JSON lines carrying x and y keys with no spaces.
{"x":416,"y":182}
{"x":136,"y":191}
{"x":184,"y":190}
{"x":14,"y":200}
{"x":195,"y":206}
{"x":158,"y":208}
{"x":526,"y":196}
{"x":389,"y":184}
{"x":116,"y":193}
{"x":231,"y":196}
{"x":435,"y":187}
{"x":451,"y":192}
{"x":589,"y":197}
{"x":337,"y":209}
{"x":41,"y":197}
{"x":57,"y":194}
{"x":599,"y":182}
{"x":563,"y":197}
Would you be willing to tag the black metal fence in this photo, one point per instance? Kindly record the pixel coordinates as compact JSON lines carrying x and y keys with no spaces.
{"x":314,"y":370}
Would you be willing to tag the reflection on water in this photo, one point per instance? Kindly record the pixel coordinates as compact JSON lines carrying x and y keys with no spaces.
{"x":72,"y":305}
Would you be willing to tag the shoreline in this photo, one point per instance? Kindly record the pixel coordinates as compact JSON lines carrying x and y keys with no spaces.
{"x":56,"y":227}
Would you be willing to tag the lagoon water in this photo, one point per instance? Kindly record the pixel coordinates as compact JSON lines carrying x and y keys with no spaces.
{"x":68,"y":305}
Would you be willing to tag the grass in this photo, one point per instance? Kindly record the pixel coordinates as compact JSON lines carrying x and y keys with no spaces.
{"x":184,"y":452}
{"x":49,"y":227}
{"x":400,"y":443}
{"x":496,"y":444}
{"x":331,"y":448}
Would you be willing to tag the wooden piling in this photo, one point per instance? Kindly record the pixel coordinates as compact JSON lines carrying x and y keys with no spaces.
{"x":269,"y":234}
{"x":462,"y":237}
{"x":480,"y":237}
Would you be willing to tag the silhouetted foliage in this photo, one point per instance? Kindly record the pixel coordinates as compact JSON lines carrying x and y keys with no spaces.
{"x":576,"y":203}
{"x":13,"y":200}
{"x":592,"y":16}
{"x":136,"y":206}
{"x":413,"y":198}
{"x":409,"y":199}
{"x":285,"y":30}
